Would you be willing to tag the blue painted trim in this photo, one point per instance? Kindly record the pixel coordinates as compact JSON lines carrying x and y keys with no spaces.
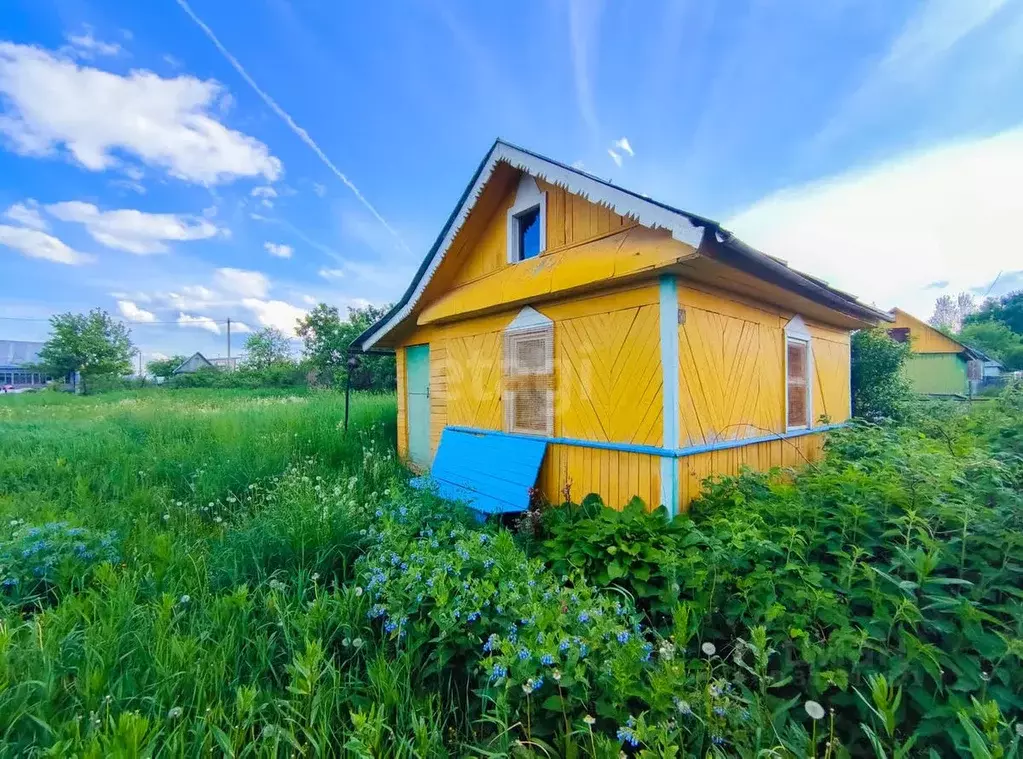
{"x":668,"y":289}
{"x":653,"y":450}
{"x":650,"y":450}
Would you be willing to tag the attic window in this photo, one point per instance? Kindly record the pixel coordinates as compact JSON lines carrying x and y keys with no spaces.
{"x":527,"y":234}
{"x":527,"y":231}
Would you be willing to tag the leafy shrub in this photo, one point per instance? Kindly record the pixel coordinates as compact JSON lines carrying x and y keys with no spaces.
{"x":879,"y":389}
{"x":36,"y":560}
{"x":633,"y":549}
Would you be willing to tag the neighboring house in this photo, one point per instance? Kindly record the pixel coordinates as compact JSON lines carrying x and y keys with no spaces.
{"x":939,"y":364}
{"x":571,"y":334}
{"x":17,"y":358}
{"x":193,"y":364}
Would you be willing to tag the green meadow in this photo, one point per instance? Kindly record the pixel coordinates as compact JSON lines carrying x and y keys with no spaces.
{"x":228,"y":573}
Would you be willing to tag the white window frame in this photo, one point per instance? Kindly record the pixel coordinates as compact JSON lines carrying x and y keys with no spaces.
{"x":796,"y":331}
{"x":529,"y":324}
{"x":528,"y":197}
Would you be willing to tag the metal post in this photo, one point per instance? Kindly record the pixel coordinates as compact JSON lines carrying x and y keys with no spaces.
{"x":229,"y":344}
{"x":352,"y":363}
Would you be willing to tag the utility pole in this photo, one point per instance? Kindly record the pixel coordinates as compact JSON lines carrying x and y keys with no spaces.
{"x":229,"y":367}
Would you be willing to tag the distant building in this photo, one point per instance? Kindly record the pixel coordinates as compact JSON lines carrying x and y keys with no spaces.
{"x":939,"y":364}
{"x":16,"y":364}
{"x":194,"y":364}
{"x":224,"y":363}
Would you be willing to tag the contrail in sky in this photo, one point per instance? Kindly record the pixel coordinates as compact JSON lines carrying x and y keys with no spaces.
{"x":299,"y":131}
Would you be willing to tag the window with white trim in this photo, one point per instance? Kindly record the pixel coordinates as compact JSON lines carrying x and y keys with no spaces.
{"x":526,"y":234}
{"x":527,"y":221}
{"x":797,"y":362}
{"x":529,"y":379}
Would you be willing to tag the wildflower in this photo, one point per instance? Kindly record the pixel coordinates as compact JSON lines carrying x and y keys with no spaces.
{"x":390,"y":626}
{"x":720,"y":711}
{"x":648,"y":649}
{"x":357,"y":642}
{"x":473,"y":616}
{"x":547,"y":660}
{"x":556,"y":674}
{"x":315,"y":576}
{"x":628,"y":735}
{"x":815,"y":710}
{"x":563,"y":646}
{"x":683,"y":707}
{"x":174,"y":712}
{"x":498,"y":671}
{"x":623,"y":637}
{"x":709,"y":649}
{"x":718,"y":740}
{"x":589,"y":719}
{"x":358,"y":590}
{"x":185,"y":599}
{"x":166,"y":517}
{"x":346,"y":642}
{"x":483,"y":538}
{"x":491,"y":643}
{"x":523,"y":654}
{"x":488,"y":564}
{"x":584,"y":617}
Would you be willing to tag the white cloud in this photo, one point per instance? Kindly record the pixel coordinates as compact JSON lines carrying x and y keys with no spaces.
{"x":615,"y":157}
{"x":86,"y":46}
{"x":133,"y":313}
{"x":200,"y":322}
{"x":134,"y":231}
{"x":319,"y":189}
{"x":158,"y":356}
{"x":26,"y":214}
{"x":240,"y":327}
{"x":37,"y":244}
{"x":331,"y":273}
{"x":583,"y":28}
{"x":265,"y":194}
{"x":278,"y":249}
{"x":275,"y":313}
{"x":890,"y":232}
{"x":624,"y":146}
{"x":242,"y":282}
{"x":51,"y":102}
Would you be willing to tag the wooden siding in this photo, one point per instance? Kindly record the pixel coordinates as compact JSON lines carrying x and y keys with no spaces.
{"x":616,"y":476}
{"x":438,"y":394}
{"x":571,"y":220}
{"x":937,"y":374}
{"x":474,"y":385}
{"x":731,"y":367}
{"x":399,"y":361}
{"x":732,"y":376}
{"x":832,"y":379}
{"x":791,"y":452}
{"x":923,"y":338}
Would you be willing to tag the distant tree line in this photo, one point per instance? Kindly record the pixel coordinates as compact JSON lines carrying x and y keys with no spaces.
{"x":96,"y":351}
{"x":995,"y":327}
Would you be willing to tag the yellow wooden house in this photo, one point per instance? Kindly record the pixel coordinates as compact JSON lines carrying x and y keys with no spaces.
{"x":568,"y":333}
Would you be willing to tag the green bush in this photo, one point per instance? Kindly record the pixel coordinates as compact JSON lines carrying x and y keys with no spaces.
{"x":879,"y":389}
{"x":633,"y":549}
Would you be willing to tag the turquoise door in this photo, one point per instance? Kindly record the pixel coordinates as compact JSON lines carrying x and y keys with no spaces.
{"x":417,"y":372}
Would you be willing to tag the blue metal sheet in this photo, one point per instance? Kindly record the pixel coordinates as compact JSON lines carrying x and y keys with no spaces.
{"x":489,"y":473}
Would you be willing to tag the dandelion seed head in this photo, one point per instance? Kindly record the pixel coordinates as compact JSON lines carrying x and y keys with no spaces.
{"x":709,"y":649}
{"x":815,"y":710}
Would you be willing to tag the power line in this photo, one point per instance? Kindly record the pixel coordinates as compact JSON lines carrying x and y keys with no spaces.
{"x":123,"y":321}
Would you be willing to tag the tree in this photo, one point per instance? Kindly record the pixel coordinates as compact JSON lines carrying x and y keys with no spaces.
{"x":950,"y":312}
{"x":995,"y":339}
{"x":878,"y":385}
{"x":267,"y":347}
{"x":89,"y":345}
{"x":164,"y":367}
{"x":1007,"y":309}
{"x":326,"y":339}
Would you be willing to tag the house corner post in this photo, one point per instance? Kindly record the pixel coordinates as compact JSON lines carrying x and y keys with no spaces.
{"x":670,"y":376}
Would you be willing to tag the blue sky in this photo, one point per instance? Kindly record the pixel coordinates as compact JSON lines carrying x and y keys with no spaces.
{"x":313,"y":154}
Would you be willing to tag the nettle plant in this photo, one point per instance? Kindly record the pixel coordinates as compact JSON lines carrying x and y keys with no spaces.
{"x":37,"y":560}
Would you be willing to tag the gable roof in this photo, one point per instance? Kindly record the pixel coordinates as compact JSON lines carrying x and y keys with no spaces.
{"x":188,"y":360}
{"x":969,"y":350}
{"x":702,"y":234}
